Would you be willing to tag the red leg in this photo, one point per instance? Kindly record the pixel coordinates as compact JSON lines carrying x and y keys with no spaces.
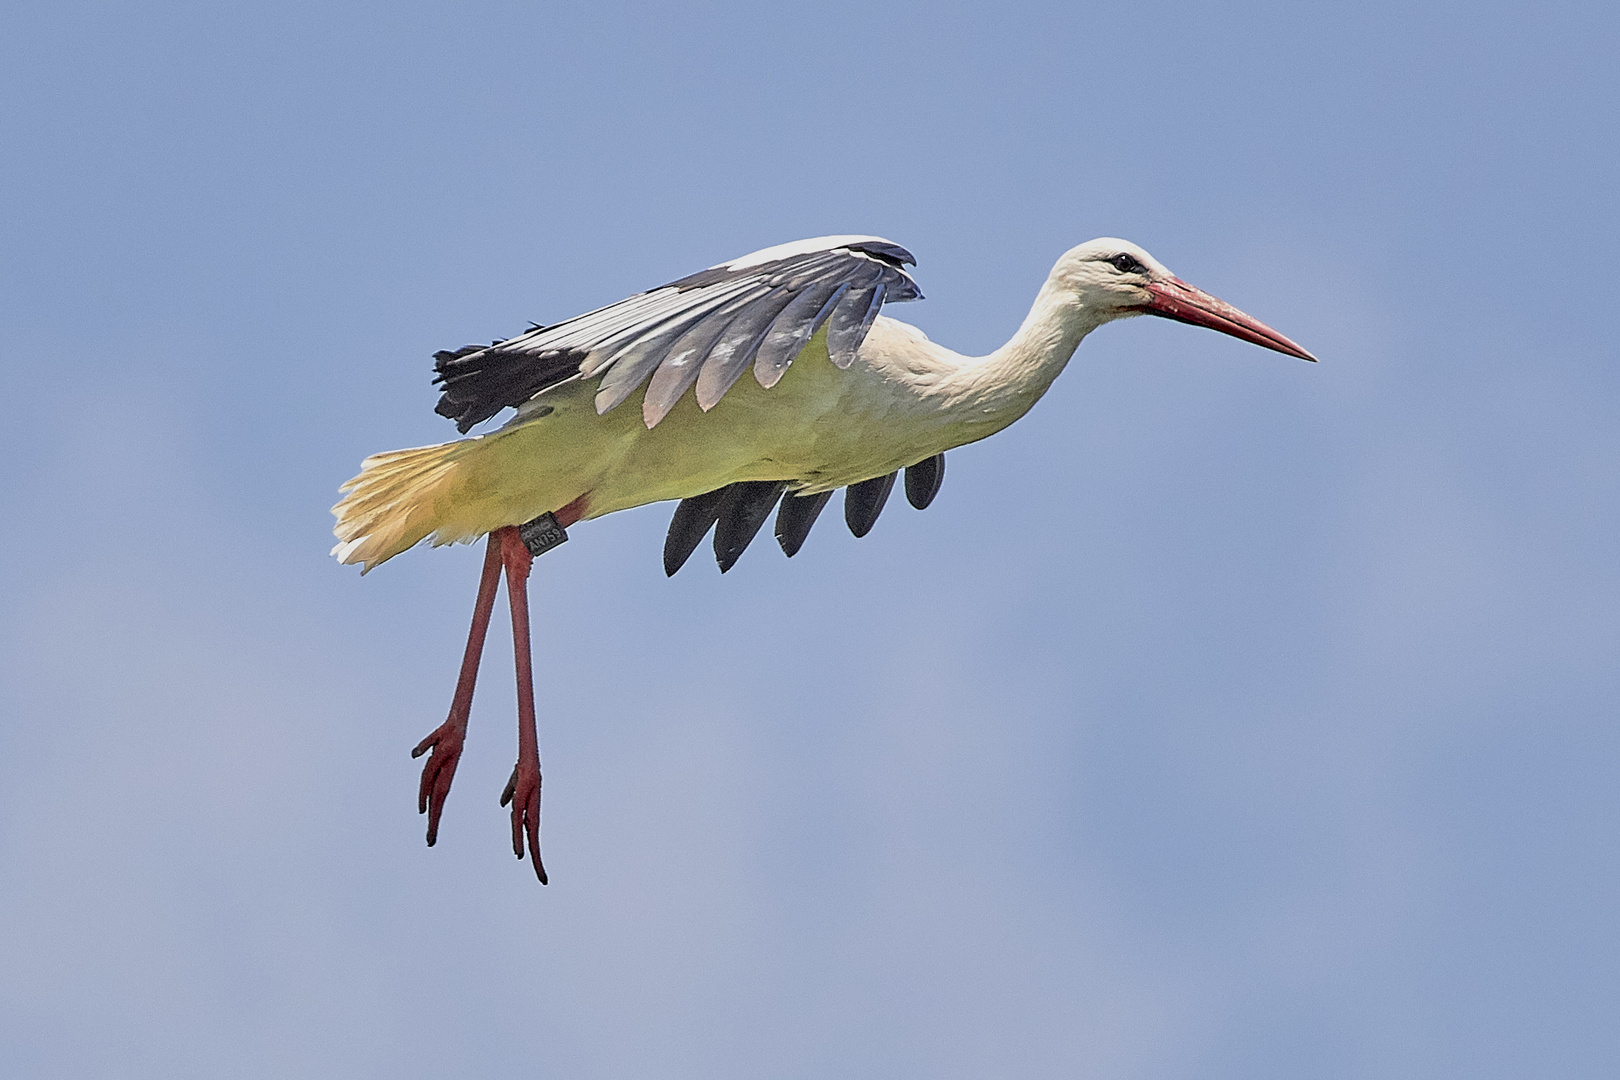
{"x":447,"y":739}
{"x":523,"y":790}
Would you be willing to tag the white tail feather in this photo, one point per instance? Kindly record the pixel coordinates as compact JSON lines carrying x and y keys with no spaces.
{"x":395,"y":502}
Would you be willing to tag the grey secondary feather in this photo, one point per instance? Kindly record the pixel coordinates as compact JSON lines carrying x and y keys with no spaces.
{"x":769,"y":311}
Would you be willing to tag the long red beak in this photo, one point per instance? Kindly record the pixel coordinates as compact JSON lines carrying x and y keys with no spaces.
{"x":1175,"y":299}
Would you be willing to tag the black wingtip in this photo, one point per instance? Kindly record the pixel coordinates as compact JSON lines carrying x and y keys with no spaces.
{"x":893,"y":254}
{"x":693,"y":519}
{"x":863,"y":502}
{"x":923,"y":480}
{"x":478,"y":381}
{"x":747,"y":505}
{"x":794,"y":519}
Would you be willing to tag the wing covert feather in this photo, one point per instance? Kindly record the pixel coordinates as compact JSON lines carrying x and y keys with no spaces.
{"x":706,"y":328}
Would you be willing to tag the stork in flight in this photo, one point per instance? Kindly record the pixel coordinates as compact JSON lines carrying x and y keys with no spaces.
{"x":841,"y":397}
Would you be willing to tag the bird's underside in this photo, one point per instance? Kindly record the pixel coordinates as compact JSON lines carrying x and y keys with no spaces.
{"x":819,"y":412}
{"x":839,"y":397}
{"x":817,"y":429}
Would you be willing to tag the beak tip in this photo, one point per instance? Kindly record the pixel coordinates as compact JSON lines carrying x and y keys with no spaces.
{"x":1175,"y":299}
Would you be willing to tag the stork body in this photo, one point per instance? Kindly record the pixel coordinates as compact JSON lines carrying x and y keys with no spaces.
{"x":842,"y":397}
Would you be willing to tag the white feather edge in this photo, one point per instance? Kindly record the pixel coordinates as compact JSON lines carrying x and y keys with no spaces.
{"x":797,"y":247}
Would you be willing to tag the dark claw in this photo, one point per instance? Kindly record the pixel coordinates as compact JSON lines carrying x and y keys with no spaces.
{"x":692,"y":521}
{"x":923,"y":480}
{"x":863,"y":502}
{"x":793,"y":521}
{"x":438,"y":771}
{"x":747,"y":506}
{"x":525,"y":805}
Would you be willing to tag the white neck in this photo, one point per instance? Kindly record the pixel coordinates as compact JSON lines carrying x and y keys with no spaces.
{"x":990,"y":392}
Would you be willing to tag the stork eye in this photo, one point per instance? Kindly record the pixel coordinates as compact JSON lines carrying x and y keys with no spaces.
{"x":1127,"y":264}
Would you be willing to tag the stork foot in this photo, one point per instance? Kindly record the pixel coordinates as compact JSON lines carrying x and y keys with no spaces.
{"x":439,"y":770}
{"x":523,"y":795}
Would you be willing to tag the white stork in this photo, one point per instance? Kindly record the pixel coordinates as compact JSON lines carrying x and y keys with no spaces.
{"x":840,"y":397}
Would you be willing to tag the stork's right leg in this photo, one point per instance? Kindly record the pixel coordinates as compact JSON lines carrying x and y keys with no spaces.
{"x":523,"y":790}
{"x":447,"y":739}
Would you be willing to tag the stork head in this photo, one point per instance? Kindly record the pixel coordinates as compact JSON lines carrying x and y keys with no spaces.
{"x":1116,"y":279}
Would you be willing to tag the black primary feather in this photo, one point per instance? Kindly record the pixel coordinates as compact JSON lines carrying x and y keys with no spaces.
{"x":794,"y":519}
{"x":748,"y":503}
{"x":923,"y":480}
{"x":863,"y":502}
{"x":479,"y":382}
{"x":893,"y":254}
{"x":693,"y":519}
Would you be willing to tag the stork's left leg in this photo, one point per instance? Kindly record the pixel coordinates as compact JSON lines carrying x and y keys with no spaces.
{"x":523,"y":790}
{"x":447,"y":739}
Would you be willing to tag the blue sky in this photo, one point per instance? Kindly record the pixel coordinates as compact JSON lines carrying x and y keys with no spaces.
{"x":1226,"y":717}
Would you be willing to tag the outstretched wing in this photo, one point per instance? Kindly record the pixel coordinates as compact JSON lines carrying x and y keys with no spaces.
{"x":705,"y":329}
